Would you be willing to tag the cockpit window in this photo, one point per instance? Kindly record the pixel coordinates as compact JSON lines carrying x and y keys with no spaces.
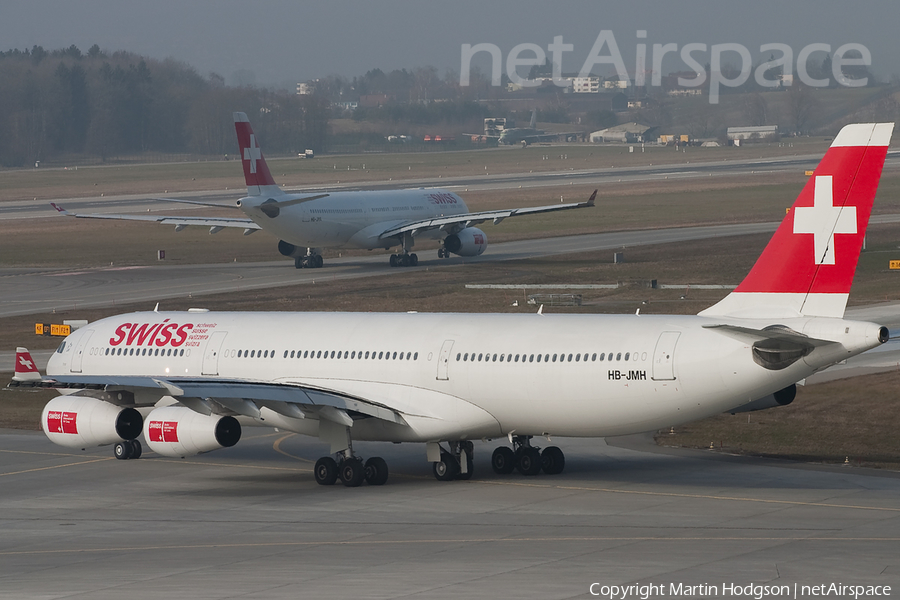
{"x":62,"y":347}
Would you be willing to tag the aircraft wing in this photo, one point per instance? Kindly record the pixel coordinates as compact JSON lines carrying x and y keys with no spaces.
{"x":235,"y":397}
{"x":215,"y":224}
{"x":470,"y":219}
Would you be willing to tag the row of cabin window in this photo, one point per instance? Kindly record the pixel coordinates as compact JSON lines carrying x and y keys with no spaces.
{"x":464,"y":357}
{"x":140,"y":351}
{"x":358,"y":355}
{"x":326,"y":354}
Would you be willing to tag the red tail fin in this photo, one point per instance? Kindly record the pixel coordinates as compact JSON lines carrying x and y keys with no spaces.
{"x":26,"y":369}
{"x":256,"y":171}
{"x":808,"y":266}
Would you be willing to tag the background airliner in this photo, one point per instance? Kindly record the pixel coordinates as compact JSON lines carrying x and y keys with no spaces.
{"x":190,"y":380}
{"x":367,"y":220}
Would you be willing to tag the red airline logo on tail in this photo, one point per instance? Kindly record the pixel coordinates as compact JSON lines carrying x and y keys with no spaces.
{"x":256,"y":172}
{"x":816,"y":248}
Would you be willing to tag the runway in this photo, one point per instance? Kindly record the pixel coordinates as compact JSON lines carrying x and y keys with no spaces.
{"x":250,"y":522}
{"x":460,"y":185}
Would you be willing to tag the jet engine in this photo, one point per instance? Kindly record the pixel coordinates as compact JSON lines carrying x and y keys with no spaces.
{"x":470,"y":241}
{"x":84,"y":422}
{"x":178,"y":431}
{"x":290,"y":250}
{"x":782,"y":397}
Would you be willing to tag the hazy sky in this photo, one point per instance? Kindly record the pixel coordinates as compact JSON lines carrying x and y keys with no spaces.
{"x":283,"y":41}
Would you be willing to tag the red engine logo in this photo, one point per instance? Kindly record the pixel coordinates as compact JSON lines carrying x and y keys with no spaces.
{"x":61,"y":422}
{"x":163,"y":431}
{"x":479,"y":239}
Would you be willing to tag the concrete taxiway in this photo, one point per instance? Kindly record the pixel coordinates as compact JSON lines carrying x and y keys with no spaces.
{"x":250,"y":522}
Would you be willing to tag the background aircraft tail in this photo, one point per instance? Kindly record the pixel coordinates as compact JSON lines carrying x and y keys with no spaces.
{"x":808,"y":265}
{"x":533,"y":123}
{"x":256,"y":171}
{"x":26,"y":369}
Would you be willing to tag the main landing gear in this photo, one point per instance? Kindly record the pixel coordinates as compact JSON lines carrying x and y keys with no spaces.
{"x":350,"y":469}
{"x":405,"y":258}
{"x":527,"y":459}
{"x":457,"y":463}
{"x":443,"y":252}
{"x":127,"y":449}
{"x":310,"y":261}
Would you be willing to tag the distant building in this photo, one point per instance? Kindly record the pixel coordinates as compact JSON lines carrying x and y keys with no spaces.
{"x":628,"y":133}
{"x":751,"y":133}
{"x":615,"y":84}
{"x":585,"y":85}
{"x":373,"y":100}
{"x":307,"y":87}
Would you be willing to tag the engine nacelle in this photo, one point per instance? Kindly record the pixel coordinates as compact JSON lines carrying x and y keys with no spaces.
{"x":471,"y":241}
{"x":177,"y":431}
{"x":290,"y":250}
{"x":780,"y":398}
{"x":84,"y":422}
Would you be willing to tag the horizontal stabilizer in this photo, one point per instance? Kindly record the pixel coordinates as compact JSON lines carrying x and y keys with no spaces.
{"x":775,"y":333}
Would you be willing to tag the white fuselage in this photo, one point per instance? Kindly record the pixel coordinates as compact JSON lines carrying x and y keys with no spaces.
{"x":465,"y":376}
{"x":353,"y":219}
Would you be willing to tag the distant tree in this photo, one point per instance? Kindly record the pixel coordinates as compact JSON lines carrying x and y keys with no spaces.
{"x":38,"y":54}
{"x":800,"y":107}
{"x":94,"y":52}
{"x":601,"y":119}
{"x":755,"y":109}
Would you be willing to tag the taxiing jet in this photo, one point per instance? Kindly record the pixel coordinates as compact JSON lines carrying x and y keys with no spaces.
{"x":307,"y":223}
{"x":191,"y":380}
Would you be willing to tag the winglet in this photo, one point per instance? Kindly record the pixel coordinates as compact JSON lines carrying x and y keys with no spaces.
{"x":26,"y":369}
{"x":59,"y":209}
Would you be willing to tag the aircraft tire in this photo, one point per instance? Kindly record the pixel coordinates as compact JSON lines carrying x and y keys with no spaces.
{"x":553,"y":461}
{"x":376,"y":471}
{"x":299,"y":262}
{"x":529,"y":462}
{"x":136,"y":449}
{"x":326,"y":471}
{"x":123,"y":450}
{"x":393,"y":260}
{"x":352,"y":472}
{"x":319,"y":261}
{"x":413,"y":260}
{"x":470,"y":470}
{"x":447,"y":468}
{"x":503,"y":461}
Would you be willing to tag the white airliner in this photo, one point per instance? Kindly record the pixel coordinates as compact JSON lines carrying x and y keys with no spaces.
{"x":190,"y":380}
{"x":367,"y":220}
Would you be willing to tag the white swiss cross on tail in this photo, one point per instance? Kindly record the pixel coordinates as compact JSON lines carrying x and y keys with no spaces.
{"x":808,"y":266}
{"x":256,"y":172}
{"x":25,"y":368}
{"x":824,"y":220}
{"x":252,"y":153}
